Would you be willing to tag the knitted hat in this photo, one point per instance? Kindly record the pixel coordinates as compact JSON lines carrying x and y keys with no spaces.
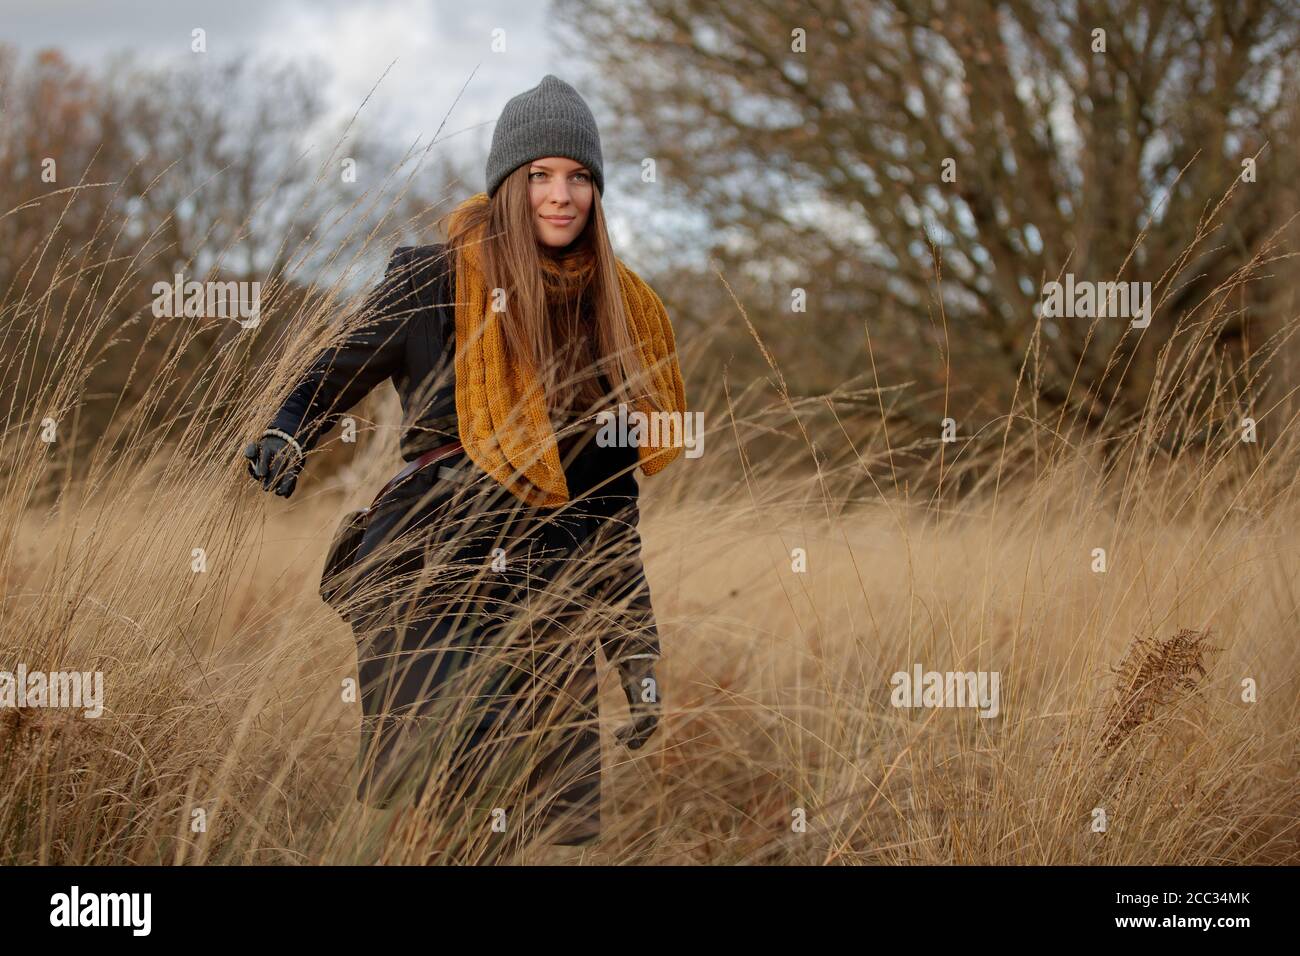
{"x":551,"y":119}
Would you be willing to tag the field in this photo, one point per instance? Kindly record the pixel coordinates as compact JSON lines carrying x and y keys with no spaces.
{"x":1126,"y":731}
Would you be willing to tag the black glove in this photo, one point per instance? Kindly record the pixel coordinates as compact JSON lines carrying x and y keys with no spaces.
{"x":642,"y":701}
{"x":275,"y":463}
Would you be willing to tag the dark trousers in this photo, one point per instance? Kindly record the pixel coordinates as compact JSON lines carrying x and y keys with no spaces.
{"x":476,"y":661}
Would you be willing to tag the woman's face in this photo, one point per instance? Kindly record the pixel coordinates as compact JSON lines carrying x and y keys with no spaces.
{"x":561,"y":193}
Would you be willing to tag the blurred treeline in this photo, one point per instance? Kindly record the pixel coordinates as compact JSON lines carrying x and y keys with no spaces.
{"x":805,"y":144}
{"x":116,"y":178}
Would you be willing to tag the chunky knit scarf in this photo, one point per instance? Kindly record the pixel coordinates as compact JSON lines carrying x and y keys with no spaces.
{"x":503,"y":419}
{"x":566,"y":277}
{"x":567,"y":283}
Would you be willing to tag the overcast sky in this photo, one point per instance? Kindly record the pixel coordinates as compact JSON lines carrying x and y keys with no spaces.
{"x":436,"y":45}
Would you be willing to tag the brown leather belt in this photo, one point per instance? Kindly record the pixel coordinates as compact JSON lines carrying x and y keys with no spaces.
{"x":428,"y":458}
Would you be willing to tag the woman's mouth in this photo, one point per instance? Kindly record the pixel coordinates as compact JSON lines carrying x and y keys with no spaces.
{"x":559,"y":220}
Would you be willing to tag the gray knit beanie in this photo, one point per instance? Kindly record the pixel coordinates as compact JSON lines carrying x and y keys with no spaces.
{"x":551,"y":119}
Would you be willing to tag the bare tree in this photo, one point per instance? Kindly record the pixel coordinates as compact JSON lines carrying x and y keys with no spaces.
{"x":815,"y":137}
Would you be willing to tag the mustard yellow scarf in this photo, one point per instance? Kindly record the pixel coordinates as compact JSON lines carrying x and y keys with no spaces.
{"x":503,"y":419}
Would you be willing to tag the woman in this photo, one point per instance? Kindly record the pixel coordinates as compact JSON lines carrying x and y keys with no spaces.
{"x":508,"y":549}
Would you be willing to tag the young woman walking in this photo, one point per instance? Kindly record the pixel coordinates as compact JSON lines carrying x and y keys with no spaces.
{"x":491,"y":567}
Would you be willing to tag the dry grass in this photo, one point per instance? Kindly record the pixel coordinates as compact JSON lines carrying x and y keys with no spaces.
{"x":223,"y":687}
{"x":776,"y":685}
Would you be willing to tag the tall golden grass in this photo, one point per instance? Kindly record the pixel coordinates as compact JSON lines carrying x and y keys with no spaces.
{"x":223,"y":686}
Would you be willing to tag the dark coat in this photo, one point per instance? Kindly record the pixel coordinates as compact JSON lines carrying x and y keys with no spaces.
{"x":476,"y":679}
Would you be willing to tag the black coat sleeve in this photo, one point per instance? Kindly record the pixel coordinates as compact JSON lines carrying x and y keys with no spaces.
{"x":340,"y":376}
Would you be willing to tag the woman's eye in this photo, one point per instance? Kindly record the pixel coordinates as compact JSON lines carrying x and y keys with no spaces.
{"x":582,"y":176}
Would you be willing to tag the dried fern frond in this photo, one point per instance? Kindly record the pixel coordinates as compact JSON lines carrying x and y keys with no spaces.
{"x":1152,"y":675}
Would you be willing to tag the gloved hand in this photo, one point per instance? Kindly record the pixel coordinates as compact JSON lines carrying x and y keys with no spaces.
{"x":275,"y":463}
{"x":642,"y":692}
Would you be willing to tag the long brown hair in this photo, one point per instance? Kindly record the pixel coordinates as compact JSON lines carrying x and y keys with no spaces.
{"x":566,"y":308}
